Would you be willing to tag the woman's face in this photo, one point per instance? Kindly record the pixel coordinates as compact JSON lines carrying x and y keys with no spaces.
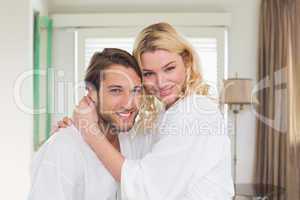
{"x":164,"y":75}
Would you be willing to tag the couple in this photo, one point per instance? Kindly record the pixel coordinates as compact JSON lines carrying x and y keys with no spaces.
{"x":179,"y":152}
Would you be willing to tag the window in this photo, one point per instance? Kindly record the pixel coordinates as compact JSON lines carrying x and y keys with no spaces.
{"x":93,"y":45}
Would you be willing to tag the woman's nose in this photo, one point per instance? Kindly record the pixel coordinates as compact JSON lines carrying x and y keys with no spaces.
{"x":161,"y":80}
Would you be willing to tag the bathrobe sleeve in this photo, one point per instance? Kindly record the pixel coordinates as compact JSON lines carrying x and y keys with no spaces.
{"x":190,"y":142}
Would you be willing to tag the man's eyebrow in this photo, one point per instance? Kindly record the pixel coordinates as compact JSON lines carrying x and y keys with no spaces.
{"x":148,"y":70}
{"x":114,"y":86}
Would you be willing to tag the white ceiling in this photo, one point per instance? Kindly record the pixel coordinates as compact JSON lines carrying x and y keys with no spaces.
{"x":76,"y":6}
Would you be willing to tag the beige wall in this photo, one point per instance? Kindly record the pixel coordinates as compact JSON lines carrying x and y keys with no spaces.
{"x":16,"y":149}
{"x":16,"y":126}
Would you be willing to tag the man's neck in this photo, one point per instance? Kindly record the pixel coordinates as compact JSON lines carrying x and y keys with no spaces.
{"x":114,"y":140}
{"x":111,"y":134}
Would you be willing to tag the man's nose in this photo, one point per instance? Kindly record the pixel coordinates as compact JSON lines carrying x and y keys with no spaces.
{"x":128,"y":101}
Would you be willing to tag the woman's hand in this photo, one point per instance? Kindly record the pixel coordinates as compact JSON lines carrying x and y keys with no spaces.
{"x":86,"y":120}
{"x":66,"y":122}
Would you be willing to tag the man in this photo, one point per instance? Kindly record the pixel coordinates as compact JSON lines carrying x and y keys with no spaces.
{"x":65,"y":167}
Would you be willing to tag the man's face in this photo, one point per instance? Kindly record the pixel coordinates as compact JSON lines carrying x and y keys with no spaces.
{"x":119,"y":97}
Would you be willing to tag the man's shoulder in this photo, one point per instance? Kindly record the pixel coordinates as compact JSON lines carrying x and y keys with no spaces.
{"x":60,"y":152}
{"x":64,"y":141}
{"x":65,"y":136}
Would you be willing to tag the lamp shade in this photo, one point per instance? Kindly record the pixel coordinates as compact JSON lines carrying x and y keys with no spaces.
{"x":237,"y":91}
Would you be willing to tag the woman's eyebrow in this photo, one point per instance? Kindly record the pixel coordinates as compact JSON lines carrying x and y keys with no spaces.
{"x":166,"y":65}
{"x":138,"y":87}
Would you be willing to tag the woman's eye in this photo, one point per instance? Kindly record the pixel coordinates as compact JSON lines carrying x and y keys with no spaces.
{"x":168,"y":69}
{"x":137,"y":91}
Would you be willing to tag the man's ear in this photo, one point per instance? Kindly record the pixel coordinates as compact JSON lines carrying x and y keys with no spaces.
{"x":92,"y":93}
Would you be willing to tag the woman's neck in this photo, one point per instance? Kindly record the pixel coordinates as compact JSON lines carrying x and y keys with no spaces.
{"x":171,"y":104}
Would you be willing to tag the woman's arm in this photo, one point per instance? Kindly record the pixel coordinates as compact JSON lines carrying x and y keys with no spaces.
{"x":105,"y":151}
{"x":186,"y":148}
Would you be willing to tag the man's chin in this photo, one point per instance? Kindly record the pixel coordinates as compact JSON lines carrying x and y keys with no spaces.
{"x":122,"y":128}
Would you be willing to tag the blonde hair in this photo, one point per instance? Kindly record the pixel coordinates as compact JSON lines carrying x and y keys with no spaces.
{"x":162,"y":36}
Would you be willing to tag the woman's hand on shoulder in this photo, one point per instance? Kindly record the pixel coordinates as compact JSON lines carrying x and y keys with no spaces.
{"x":64,"y":123}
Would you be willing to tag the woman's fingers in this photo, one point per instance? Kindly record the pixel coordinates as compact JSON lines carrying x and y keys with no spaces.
{"x":85,"y":113}
{"x":83,"y":103}
{"x":67,"y":121}
{"x":82,"y":107}
{"x":88,"y":100}
{"x":85,"y":106}
{"x":62,"y":124}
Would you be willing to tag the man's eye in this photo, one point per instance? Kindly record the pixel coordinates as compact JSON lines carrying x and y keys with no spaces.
{"x":115,"y":91}
{"x":147,"y":74}
{"x":168,"y":69}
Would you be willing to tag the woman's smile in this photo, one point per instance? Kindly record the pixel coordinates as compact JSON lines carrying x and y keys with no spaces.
{"x":164,"y":92}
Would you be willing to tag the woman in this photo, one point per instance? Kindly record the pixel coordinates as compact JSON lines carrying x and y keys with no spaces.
{"x":190,"y":156}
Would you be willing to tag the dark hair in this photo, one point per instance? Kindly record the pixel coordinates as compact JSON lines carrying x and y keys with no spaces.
{"x":105,"y":59}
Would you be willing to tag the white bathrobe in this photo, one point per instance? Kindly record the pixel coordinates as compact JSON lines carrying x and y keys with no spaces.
{"x":65,"y":168}
{"x":186,"y":156}
{"x":190,"y":158}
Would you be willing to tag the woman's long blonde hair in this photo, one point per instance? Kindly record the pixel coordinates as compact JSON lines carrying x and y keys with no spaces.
{"x":162,"y":36}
